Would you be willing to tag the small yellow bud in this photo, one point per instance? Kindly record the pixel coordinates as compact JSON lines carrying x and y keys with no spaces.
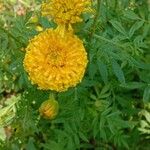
{"x":49,"y":109}
{"x":34,"y":19}
{"x":23,"y":49}
{"x":39,"y":28}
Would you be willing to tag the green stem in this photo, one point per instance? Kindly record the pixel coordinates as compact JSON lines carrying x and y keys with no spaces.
{"x":106,"y":40}
{"x":95,"y":19}
{"x":52,"y":96}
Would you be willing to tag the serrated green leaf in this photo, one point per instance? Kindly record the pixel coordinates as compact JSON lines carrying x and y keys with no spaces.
{"x":95,"y":126}
{"x":146,"y":29}
{"x":118,"y":26}
{"x":76,"y":140}
{"x":104,"y":95}
{"x":131,"y":15}
{"x":2,"y":134}
{"x":118,"y":71}
{"x":147,"y":115}
{"x":103,"y":71}
{"x":105,"y":89}
{"x":146,"y":95}
{"x":133,"y":85}
{"x":137,"y":25}
{"x":14,"y":147}
{"x":83,"y":137}
{"x":140,"y":64}
{"x":92,"y":70}
{"x":30,"y":145}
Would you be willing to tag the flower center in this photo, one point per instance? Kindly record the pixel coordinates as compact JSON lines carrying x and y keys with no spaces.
{"x":55,"y":58}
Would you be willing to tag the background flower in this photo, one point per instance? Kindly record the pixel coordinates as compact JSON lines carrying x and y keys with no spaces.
{"x":66,"y":11}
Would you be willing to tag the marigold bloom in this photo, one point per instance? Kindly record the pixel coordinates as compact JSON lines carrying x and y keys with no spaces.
{"x":49,"y":109}
{"x":54,"y":61}
{"x":65,"y":11}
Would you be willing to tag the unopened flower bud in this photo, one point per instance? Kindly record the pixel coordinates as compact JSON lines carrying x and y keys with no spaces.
{"x":49,"y":109}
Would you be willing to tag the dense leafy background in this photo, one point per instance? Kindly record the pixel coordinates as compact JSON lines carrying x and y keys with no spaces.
{"x":109,"y":109}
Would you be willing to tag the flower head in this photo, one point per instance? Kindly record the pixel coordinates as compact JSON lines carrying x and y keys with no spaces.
{"x":54,"y":61}
{"x":65,"y":11}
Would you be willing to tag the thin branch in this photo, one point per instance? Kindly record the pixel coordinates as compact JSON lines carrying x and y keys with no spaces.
{"x":106,"y":40}
{"x":95,"y":19}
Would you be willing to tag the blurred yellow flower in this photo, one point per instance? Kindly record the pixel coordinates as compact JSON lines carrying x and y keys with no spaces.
{"x":2,"y":7}
{"x":66,"y":11}
{"x":54,"y":61}
{"x":49,"y":109}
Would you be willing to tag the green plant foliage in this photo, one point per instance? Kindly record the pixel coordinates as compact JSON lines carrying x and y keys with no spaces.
{"x":108,"y":109}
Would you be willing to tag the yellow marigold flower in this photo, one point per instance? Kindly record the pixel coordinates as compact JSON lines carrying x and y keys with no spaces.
{"x":65,"y":11}
{"x":54,"y":61}
{"x":49,"y":109}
